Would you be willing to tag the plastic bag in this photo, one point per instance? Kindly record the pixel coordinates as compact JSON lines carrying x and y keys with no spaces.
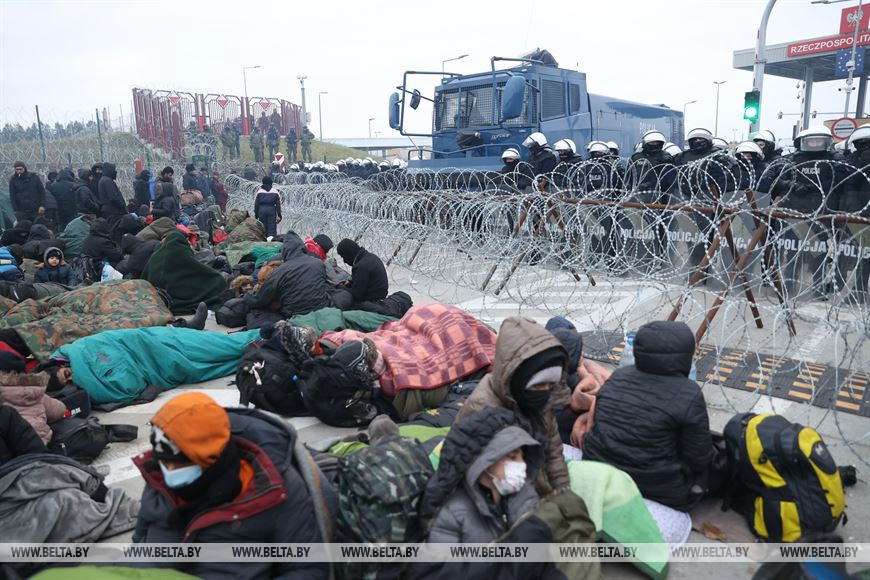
{"x":109,"y":273}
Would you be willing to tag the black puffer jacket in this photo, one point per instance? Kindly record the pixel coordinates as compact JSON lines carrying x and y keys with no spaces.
{"x":63,"y":191}
{"x":138,"y":252}
{"x":86,"y":199}
{"x":112,"y":204}
{"x":277,"y":507}
{"x":142,"y":188}
{"x":369,"y":280}
{"x":166,"y":202}
{"x":300,"y":283}
{"x":26,"y":192}
{"x":99,"y":245}
{"x":39,"y":240}
{"x":651,"y":420}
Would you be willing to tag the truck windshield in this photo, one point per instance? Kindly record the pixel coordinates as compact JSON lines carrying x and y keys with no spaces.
{"x":472,"y":107}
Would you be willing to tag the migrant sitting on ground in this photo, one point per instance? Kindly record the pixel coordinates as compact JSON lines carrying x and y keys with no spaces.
{"x":241,"y":285}
{"x":214,"y":476}
{"x":53,"y":269}
{"x":529,"y":364}
{"x":299,"y":284}
{"x":99,"y":245}
{"x":369,"y":282}
{"x":174,"y":269}
{"x":651,"y":419}
{"x":138,"y":252}
{"x":17,"y":436}
{"x":267,"y":207}
{"x":484,"y":492}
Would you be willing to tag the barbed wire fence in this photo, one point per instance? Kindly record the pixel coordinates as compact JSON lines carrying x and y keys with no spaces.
{"x":778,"y":287}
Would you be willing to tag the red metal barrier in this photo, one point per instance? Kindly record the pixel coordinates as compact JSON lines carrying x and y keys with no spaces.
{"x":163,"y":116}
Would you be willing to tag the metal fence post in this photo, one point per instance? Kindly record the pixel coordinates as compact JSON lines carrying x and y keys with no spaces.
{"x":100,"y":135}
{"x":41,"y":138}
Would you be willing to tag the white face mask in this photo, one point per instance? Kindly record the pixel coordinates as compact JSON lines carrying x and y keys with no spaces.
{"x":514,"y":478}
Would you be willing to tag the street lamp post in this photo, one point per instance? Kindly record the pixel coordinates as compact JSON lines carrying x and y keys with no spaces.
{"x":758,"y":65}
{"x":320,"y":112}
{"x":245,"y":69}
{"x":716,"y":128}
{"x":370,"y":126}
{"x":443,"y":62}
{"x":686,"y":104}
{"x":304,"y":110}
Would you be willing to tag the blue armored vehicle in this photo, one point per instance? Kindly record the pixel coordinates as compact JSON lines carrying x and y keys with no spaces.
{"x":476,"y":117}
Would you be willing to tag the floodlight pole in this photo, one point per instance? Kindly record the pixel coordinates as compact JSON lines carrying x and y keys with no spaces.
{"x":758,"y":66}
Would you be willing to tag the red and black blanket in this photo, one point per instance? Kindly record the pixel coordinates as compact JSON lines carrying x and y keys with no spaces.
{"x":431,"y":346}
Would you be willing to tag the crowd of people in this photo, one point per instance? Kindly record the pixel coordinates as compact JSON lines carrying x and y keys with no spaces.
{"x":328,"y":339}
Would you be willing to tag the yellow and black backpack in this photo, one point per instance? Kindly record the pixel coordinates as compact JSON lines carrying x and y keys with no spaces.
{"x":782,"y":478}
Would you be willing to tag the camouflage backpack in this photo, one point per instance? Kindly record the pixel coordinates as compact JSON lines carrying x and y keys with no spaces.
{"x":379,"y":492}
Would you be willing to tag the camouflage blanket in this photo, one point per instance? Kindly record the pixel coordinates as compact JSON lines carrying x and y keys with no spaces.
{"x":431,"y":346}
{"x":45,"y":325}
{"x":249,"y":230}
{"x":235,"y":252}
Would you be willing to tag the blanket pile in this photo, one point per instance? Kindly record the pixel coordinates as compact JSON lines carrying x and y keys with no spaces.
{"x":433,"y":345}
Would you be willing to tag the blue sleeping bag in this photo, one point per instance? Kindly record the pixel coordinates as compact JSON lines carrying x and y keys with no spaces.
{"x":115,"y":366}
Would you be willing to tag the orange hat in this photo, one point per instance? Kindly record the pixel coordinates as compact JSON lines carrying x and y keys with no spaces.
{"x":197,"y":425}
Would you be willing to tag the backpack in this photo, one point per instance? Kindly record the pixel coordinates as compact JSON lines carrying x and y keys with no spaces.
{"x":782,"y":477}
{"x":233,"y":313}
{"x":84,"y":272}
{"x":267,"y":378}
{"x":379,"y":492}
{"x":82,"y":439}
{"x":334,"y":396}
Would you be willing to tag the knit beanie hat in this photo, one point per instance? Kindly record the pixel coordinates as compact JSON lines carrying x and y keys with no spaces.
{"x":191,"y":426}
{"x":324,"y":242}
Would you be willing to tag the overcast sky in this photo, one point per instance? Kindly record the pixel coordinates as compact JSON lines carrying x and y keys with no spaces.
{"x":72,"y":56}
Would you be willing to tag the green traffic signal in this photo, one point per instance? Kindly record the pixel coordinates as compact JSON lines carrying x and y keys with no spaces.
{"x":751,"y":105}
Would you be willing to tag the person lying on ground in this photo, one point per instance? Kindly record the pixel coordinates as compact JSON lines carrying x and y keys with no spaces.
{"x":529,"y":364}
{"x":369,"y":282}
{"x":214,"y":476}
{"x":174,"y":269}
{"x":651,"y":420}
{"x":54,"y":268}
{"x":99,"y":245}
{"x":9,"y":270}
{"x":299,"y":284}
{"x":241,"y":285}
{"x":484,"y":492}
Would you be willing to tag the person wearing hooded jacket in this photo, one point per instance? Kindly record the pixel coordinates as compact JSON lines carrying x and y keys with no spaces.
{"x":369,"y":281}
{"x":99,"y":246}
{"x":53,"y":269}
{"x":63,"y":190}
{"x":142,"y":188}
{"x":112,"y":204}
{"x":300,"y":284}
{"x":137,"y":252}
{"x":230,"y":476}
{"x":26,"y":193}
{"x":267,"y":206}
{"x":86,"y":200}
{"x":529,"y":364}
{"x":651,"y":419}
{"x":166,"y":202}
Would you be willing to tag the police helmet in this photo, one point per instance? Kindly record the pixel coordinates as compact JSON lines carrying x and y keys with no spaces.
{"x":614,"y":148}
{"x":510,"y":153}
{"x":672,"y":149}
{"x":699,"y":133}
{"x":653,"y":136}
{"x":535,"y":140}
{"x":597,"y":148}
{"x":396,"y":163}
{"x":749,"y":147}
{"x":862,"y":133}
{"x":565,"y":145}
{"x":815,"y":139}
{"x":765,"y":135}
{"x":720,"y":144}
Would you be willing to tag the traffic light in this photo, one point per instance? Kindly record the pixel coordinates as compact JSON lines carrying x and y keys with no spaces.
{"x":751,"y":105}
